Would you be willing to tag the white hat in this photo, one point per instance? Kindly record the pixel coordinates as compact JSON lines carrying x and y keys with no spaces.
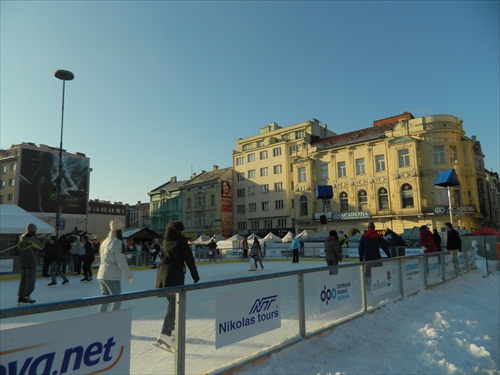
{"x":116,"y":224}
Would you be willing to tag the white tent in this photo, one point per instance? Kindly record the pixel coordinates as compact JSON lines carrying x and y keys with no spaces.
{"x":271,"y":237}
{"x":236,"y":237}
{"x":13,"y":220}
{"x":305,"y":234}
{"x":203,"y":239}
{"x":217,"y":238}
{"x":252,"y":236}
{"x":319,"y":236}
{"x":288,"y":237}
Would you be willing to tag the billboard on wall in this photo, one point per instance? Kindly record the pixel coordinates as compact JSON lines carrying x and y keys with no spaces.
{"x":226,"y":208}
{"x":38,"y":182}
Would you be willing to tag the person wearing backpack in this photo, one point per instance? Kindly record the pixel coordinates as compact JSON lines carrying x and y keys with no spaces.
{"x":29,"y":248}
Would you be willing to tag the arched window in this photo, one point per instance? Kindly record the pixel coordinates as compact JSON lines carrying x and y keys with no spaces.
{"x":303,"y":205}
{"x":344,"y":202}
{"x":362,"y":200}
{"x":407,"y":196}
{"x":383,"y":199}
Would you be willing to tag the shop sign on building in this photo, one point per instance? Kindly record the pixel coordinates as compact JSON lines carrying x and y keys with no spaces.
{"x":351,"y":215}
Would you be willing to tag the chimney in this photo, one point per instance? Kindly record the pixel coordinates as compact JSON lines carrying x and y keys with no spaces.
{"x":173,"y":179}
{"x":216,"y":167}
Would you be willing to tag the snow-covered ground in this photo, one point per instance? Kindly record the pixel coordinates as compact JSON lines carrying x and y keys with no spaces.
{"x":449,"y":329}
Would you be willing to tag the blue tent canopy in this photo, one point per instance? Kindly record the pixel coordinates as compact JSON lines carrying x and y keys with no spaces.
{"x":447,"y":178}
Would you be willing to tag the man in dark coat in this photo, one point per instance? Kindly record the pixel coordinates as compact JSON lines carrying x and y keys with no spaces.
{"x":369,"y":246}
{"x":29,"y":248}
{"x":88,"y":259}
{"x":453,"y":241}
{"x":175,"y":253}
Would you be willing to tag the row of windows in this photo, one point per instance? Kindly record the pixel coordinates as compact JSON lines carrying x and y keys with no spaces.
{"x":267,"y":224}
{"x":380,"y":164}
{"x":106,"y":210}
{"x":287,"y":136}
{"x":264,"y":189}
{"x":265,"y":206}
{"x":3,"y":183}
{"x":12,"y":168}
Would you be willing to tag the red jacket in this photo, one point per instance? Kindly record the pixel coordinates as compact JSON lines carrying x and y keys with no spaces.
{"x":427,"y":241}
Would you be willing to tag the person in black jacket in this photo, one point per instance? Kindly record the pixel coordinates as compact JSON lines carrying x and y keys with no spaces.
{"x":453,"y":241}
{"x":369,"y":246}
{"x":88,"y":259}
{"x":437,"y":239}
{"x":54,"y":254}
{"x":29,"y":248}
{"x":175,"y":254}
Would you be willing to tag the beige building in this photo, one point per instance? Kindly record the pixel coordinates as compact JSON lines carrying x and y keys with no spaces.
{"x":101,"y":212}
{"x":264,"y":185}
{"x":208,"y":203}
{"x":306,"y":177}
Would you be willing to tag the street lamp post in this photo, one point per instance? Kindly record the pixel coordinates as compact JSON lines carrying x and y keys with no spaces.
{"x":63,"y":75}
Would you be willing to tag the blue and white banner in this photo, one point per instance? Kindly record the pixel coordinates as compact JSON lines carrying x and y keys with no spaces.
{"x":334,"y":291}
{"x":412,"y":277}
{"x":85,"y":345}
{"x":245,"y":313}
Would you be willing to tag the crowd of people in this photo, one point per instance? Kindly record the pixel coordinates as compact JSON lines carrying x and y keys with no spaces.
{"x":174,"y":257}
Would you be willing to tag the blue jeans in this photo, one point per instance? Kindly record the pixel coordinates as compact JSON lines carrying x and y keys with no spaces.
{"x":109,"y":287}
{"x":55,"y":269}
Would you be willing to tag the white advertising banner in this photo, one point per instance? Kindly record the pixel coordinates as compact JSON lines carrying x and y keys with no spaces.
{"x":242,"y":314}
{"x":382,"y":282}
{"x":6,"y":265}
{"x":85,"y":345}
{"x":412,"y":273}
{"x":334,"y":291}
{"x":433,"y":266}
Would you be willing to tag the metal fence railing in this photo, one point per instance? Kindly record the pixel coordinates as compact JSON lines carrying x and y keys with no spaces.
{"x":303,"y":313}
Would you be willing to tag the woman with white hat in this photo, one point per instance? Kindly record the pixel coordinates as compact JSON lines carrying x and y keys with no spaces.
{"x":113,"y":263}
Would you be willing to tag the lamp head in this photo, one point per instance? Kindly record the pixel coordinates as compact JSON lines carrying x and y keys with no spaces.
{"x":64,"y":75}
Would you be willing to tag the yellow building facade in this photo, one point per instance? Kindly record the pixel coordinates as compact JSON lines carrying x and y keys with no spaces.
{"x":384,"y":173}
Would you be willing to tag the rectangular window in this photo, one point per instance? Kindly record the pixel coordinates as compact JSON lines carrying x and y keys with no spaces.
{"x":268,"y":224}
{"x":240,"y":193}
{"x":302,"y":174}
{"x":300,"y":134}
{"x":438,"y":152}
{"x":281,"y":223}
{"x":454,"y":154}
{"x":4,"y":169}
{"x":251,"y":190}
{"x":277,"y":169}
{"x":252,"y":207}
{"x":250,"y":157}
{"x":264,"y":188}
{"x":264,"y":171}
{"x":323,"y":171}
{"x":404,"y":158}
{"x":240,"y":176}
{"x":212,"y":202}
{"x":278,"y":205}
{"x":260,"y":144}
{"x":360,"y":166}
{"x":464,"y":156}
{"x":265,"y":206}
{"x":293,"y":148}
{"x":13,"y":167}
{"x":3,"y":184}
{"x":251,"y":173}
{"x":341,"y":169}
{"x":255,"y":224}
{"x":277,"y":151}
{"x":242,"y":225}
{"x":247,"y":147}
{"x":263,"y":155}
{"x":240,"y":160}
{"x":379,"y":163}
{"x":278,"y":186}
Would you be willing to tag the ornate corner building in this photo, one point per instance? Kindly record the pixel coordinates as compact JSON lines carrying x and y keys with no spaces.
{"x":383,"y":174}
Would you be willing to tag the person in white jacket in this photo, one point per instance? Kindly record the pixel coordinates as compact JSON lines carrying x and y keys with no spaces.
{"x":113,"y":263}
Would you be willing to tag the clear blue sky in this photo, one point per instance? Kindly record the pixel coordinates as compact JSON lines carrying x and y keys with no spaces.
{"x":165,"y":88}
